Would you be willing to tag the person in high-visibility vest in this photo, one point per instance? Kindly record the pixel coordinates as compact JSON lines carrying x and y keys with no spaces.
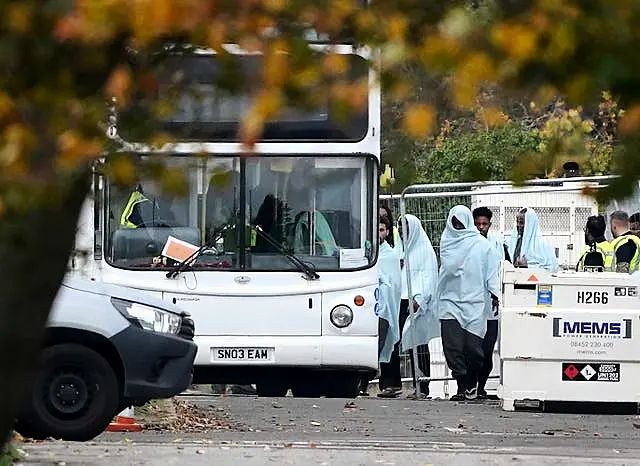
{"x":141,"y":212}
{"x":626,"y":245}
{"x":634,"y":224}
{"x":132,"y":216}
{"x":599,"y":251}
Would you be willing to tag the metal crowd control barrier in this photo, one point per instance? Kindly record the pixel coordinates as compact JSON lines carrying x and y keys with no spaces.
{"x":561,"y":207}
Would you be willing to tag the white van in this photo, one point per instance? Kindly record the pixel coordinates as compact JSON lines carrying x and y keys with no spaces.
{"x":107,"y":347}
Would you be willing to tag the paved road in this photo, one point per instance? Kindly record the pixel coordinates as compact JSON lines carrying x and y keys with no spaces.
{"x":234,"y":455}
{"x":402,"y":432}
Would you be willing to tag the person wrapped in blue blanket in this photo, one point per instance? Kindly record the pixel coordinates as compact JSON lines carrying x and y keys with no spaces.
{"x":421,"y":266}
{"x":388,"y":305}
{"x":469,"y":267}
{"x":527,"y":247}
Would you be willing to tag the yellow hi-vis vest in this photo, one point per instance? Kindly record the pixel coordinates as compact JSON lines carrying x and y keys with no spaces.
{"x":605,"y":248}
{"x":135,"y":199}
{"x":230,"y":239}
{"x":634,"y":265}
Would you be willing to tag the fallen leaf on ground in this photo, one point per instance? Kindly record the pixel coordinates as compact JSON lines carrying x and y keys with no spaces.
{"x":351,"y":406}
{"x":190,"y":418}
{"x":456,"y":430}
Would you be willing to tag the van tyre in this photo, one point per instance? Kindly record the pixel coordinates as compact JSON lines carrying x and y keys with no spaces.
{"x":74,"y":396}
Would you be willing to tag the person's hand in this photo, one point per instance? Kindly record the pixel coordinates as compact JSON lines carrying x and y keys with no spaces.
{"x":495,"y":304}
{"x":416,"y":306}
{"x":622,"y":267}
{"x":401,"y":263}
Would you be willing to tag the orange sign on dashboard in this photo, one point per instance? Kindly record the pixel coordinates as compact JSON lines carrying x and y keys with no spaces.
{"x":178,"y":250}
{"x":532,"y":278}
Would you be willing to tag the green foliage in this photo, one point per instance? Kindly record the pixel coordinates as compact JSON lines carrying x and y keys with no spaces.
{"x":9,"y":455}
{"x":482,"y":155}
{"x":403,"y":155}
{"x":601,"y":159}
{"x":488,"y":141}
{"x":575,"y":135}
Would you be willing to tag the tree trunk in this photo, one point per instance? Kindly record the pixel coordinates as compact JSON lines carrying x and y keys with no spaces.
{"x":34,"y":251}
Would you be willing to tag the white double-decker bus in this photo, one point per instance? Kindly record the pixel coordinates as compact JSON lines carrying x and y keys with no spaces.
{"x":282,"y":287}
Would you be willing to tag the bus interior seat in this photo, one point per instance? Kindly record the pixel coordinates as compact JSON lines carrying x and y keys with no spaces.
{"x":133,"y":243}
{"x":340,"y":223}
{"x":291,"y":227}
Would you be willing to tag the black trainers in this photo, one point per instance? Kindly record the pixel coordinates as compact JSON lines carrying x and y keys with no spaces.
{"x":243,"y":390}
{"x":389,"y":392}
{"x":471,"y":394}
{"x":414,"y":396}
{"x":482,"y":394}
{"x":458,"y":397}
{"x":219,"y":389}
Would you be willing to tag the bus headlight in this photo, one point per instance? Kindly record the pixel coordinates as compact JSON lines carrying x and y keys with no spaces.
{"x":341,"y":316}
{"x":147,"y":317}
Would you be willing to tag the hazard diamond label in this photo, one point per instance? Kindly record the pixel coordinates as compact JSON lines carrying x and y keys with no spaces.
{"x":571,"y":371}
{"x":590,"y":372}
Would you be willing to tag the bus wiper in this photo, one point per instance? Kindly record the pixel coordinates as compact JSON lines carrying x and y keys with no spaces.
{"x":308,"y":271}
{"x":181,"y":267}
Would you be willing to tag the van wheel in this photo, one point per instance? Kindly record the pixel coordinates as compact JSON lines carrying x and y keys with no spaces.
{"x":74,"y":396}
{"x":343,"y":385}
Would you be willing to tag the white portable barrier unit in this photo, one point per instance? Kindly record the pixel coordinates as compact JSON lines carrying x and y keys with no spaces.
{"x":569,"y":337}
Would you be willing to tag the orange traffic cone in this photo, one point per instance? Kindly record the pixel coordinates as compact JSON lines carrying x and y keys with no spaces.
{"x":125,"y":422}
